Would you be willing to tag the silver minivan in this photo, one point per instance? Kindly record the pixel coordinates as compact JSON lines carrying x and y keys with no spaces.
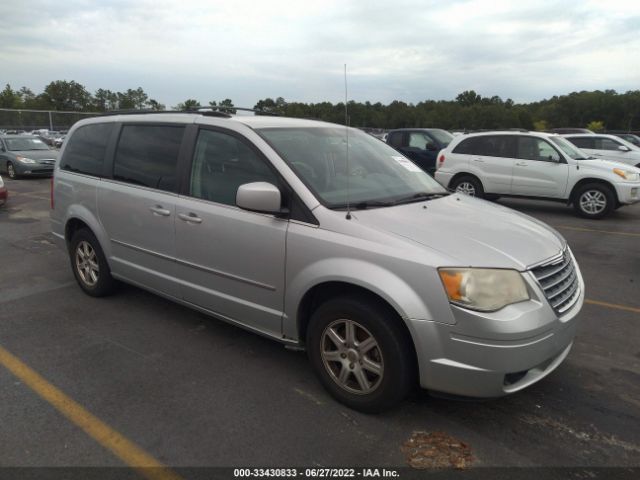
{"x":321,"y":237}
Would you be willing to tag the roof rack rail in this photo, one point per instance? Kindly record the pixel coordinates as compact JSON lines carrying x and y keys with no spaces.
{"x":208,"y":111}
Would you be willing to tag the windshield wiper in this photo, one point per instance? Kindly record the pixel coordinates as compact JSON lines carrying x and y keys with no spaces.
{"x":371,"y":203}
{"x":418,"y":197}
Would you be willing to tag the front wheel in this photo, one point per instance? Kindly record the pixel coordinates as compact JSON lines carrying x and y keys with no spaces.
{"x":11,"y":171}
{"x":360,"y":354}
{"x":594,"y":201}
{"x":469,"y":186}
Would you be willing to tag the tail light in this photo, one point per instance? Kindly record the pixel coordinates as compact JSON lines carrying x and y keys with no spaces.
{"x":441,"y":160}
{"x":51,"y":193}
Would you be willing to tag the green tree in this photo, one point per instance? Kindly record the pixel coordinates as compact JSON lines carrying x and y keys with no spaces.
{"x":155,"y":105}
{"x":596,"y":126}
{"x":226,"y":106}
{"x":189,"y":104}
{"x":540,"y":125}
{"x":10,"y":98}
{"x":468,"y":98}
{"x":65,"y":95}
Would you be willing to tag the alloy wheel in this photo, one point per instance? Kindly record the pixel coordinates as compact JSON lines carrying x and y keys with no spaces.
{"x":593,"y":202}
{"x":87,"y":263}
{"x":352,"y":356}
{"x":467,"y":188}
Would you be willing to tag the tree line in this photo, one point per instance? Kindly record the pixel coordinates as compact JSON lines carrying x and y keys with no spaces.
{"x":598,"y":109}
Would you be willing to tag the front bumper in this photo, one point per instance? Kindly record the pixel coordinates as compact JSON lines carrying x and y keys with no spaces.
{"x":34,"y":169}
{"x":494,"y":354}
{"x":628,"y":193}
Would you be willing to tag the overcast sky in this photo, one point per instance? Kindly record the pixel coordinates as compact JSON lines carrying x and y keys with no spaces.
{"x":248,"y":50}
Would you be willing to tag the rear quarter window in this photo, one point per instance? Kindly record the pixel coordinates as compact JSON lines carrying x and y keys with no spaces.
{"x":86,"y":149}
{"x":467,"y":146}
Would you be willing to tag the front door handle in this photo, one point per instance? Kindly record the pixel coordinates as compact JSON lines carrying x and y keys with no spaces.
{"x":191,"y":217}
{"x":160,"y":210}
{"x":522,"y":164}
{"x":479,"y":160}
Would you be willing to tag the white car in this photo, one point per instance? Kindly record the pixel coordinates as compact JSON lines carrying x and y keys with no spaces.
{"x":538,"y":165}
{"x":609,"y":147}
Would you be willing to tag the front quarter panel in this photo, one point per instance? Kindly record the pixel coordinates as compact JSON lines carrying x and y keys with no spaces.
{"x":316,"y":256}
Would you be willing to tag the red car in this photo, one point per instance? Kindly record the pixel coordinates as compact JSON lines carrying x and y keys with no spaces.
{"x":3,"y":192}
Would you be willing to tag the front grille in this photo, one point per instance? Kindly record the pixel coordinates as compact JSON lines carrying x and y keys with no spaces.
{"x":558,"y":279}
{"x":47,"y":161}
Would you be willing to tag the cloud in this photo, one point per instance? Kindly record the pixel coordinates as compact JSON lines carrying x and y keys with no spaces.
{"x":247,"y":50}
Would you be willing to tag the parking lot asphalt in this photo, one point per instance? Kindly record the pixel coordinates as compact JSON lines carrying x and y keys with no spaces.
{"x":192,"y":391}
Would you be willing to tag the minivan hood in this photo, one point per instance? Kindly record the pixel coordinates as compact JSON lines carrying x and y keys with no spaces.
{"x":471,"y":232}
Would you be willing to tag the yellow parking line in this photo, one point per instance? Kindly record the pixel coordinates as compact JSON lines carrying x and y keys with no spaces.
{"x":613,"y":305}
{"x":120,"y":446}
{"x":580,"y":229}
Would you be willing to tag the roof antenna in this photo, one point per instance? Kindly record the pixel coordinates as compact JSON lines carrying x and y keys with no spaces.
{"x":346,"y":129}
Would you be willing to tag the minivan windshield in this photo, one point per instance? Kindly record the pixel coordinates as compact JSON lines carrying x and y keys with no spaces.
{"x":377,"y":175}
{"x":569,"y":148}
{"x":26,"y":143}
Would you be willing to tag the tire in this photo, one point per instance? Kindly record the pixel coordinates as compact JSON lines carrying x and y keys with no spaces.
{"x":370,"y":380}
{"x":594,"y":200}
{"x":89,"y":264}
{"x":11,"y":171}
{"x":468,"y":185}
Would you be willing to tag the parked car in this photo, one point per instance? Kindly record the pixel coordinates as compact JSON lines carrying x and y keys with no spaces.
{"x":629,"y":137}
{"x":4,"y":194}
{"x":563,"y":131}
{"x":363,"y":259}
{"x":538,"y":165}
{"x":58,"y":141}
{"x":420,"y":145}
{"x":25,"y":155}
{"x":608,"y":147}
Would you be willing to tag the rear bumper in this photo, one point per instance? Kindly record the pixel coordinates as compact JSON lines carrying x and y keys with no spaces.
{"x":443,"y":177}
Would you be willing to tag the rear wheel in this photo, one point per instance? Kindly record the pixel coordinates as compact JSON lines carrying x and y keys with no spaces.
{"x":594,"y":200}
{"x":360,"y":354}
{"x":469,"y":186}
{"x":11,"y":171}
{"x":89,"y":264}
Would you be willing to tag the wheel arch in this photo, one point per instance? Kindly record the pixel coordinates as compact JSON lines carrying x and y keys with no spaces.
{"x":327,"y":290}
{"x":586,"y":181}
{"x":465,"y":174}
{"x":80,"y":217}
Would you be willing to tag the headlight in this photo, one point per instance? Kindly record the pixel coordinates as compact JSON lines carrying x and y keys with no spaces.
{"x":483,"y":289}
{"x":22,"y":159}
{"x":627,"y":175}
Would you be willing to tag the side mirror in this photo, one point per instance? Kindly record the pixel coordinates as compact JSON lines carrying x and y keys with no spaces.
{"x":555,"y":158}
{"x":430,"y":146}
{"x":624,"y":148}
{"x":259,"y":197}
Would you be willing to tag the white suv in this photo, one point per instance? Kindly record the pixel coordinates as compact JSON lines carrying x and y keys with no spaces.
{"x":537,"y":165}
